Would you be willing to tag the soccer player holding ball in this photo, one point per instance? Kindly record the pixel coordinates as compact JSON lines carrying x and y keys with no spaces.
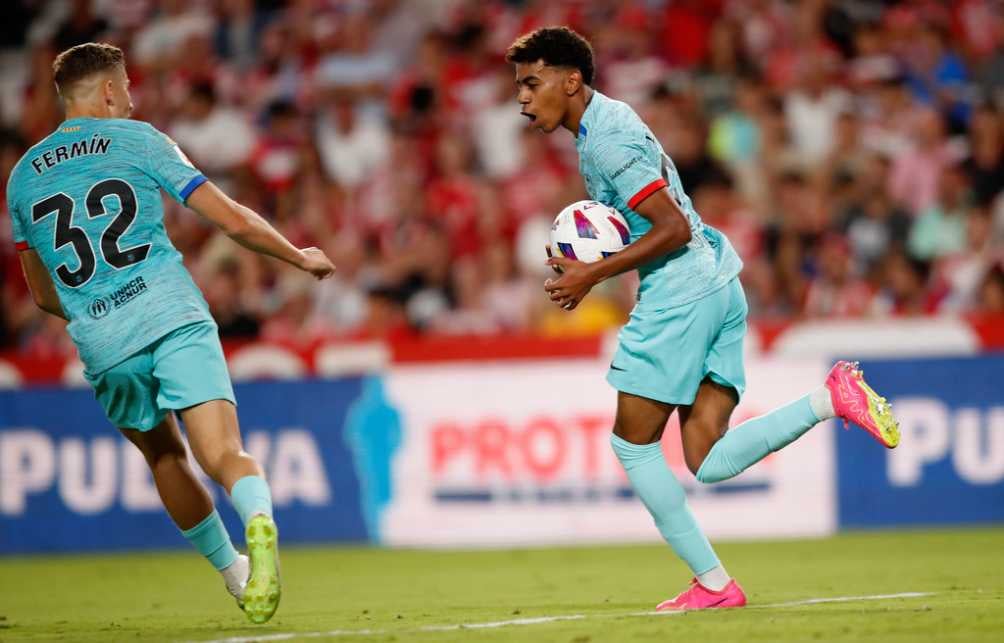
{"x":681,"y":349}
{"x":89,"y":229}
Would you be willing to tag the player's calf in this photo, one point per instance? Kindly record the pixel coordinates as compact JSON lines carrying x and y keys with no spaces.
{"x":216,"y":443}
{"x":705,"y":421}
{"x":188,"y":503}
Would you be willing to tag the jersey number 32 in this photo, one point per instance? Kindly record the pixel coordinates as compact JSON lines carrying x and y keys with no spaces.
{"x":66,"y":233}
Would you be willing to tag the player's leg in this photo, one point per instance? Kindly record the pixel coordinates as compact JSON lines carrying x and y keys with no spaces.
{"x":637,"y":442}
{"x":187,"y":501}
{"x":127,"y":392}
{"x":712,"y":451}
{"x":193,"y":377}
{"x":705,"y":421}
{"x":214,"y":436}
{"x":715,"y":453}
{"x":659,"y":363}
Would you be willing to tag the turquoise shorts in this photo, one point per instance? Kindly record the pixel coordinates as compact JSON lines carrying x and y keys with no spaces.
{"x":184,"y":368}
{"x":664,"y":355}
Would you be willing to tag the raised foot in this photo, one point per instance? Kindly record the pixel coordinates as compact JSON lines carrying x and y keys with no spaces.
{"x":855,"y":401}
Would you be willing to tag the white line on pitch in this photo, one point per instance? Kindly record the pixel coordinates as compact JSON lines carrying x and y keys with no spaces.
{"x":848,"y":599}
{"x":536,"y":620}
{"x":492,"y":624}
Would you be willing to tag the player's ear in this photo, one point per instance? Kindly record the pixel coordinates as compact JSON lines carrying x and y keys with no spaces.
{"x":108,"y":92}
{"x":573,"y":82}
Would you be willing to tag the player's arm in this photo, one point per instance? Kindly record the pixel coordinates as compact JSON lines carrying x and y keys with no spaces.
{"x":670,"y":231}
{"x":176,"y":174}
{"x":43,"y":291}
{"x":631,"y":167}
{"x":248,"y":228}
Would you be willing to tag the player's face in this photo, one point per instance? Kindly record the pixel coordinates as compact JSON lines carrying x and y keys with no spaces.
{"x":540,"y":90}
{"x":117,"y":96}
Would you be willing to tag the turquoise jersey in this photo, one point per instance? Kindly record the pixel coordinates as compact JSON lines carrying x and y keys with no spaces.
{"x":87,"y":200}
{"x":622,"y":164}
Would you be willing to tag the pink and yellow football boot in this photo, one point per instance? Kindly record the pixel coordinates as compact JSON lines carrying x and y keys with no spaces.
{"x":699,"y":597}
{"x":855,"y":401}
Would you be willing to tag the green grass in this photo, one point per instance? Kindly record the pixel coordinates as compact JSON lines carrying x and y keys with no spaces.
{"x":177,"y":597}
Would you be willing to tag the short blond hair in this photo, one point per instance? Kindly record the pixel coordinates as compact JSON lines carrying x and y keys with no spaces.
{"x":77,"y":63}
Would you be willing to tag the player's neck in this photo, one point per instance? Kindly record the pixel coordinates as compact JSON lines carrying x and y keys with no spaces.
{"x":86,"y":109}
{"x":577,"y":108}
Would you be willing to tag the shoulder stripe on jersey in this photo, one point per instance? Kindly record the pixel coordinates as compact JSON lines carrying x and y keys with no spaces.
{"x":194,"y":183}
{"x":647,"y":191}
{"x":21,"y":245}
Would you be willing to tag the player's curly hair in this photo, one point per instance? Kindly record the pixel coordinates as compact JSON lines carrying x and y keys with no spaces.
{"x":77,"y":63}
{"x":556,"y":46}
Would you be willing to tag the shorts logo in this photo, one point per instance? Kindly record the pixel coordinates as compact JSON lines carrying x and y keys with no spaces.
{"x":98,"y":308}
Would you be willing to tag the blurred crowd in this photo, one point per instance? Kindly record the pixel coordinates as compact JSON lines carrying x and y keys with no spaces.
{"x":852,"y":150}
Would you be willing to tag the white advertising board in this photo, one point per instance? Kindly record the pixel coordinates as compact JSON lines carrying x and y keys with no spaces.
{"x":518,"y":453}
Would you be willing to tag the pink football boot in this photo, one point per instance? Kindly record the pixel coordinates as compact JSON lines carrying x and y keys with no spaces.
{"x":855,"y":401}
{"x":699,"y":597}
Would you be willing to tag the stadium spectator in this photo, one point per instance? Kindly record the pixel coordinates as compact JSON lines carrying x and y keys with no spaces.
{"x":352,"y":145}
{"x":940,"y":229}
{"x":80,"y":26}
{"x":913,"y":180}
{"x":906,"y":288}
{"x":224,"y":295}
{"x":846,"y":148}
{"x":985,"y":164}
{"x":218,"y":138}
{"x":837,"y":291}
{"x":991,"y":292}
{"x":812,"y":109}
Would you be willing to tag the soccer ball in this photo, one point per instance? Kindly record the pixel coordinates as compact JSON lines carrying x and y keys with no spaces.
{"x":588,"y":231}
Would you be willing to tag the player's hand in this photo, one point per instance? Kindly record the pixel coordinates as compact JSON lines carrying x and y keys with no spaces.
{"x":573,"y":285}
{"x":316,"y":263}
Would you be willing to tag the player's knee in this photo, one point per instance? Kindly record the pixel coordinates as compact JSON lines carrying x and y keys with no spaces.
{"x":159,"y":451}
{"x":634,"y":435}
{"x":694,"y":462}
{"x":217,"y":463}
{"x":703,"y":433}
{"x":161,"y":459}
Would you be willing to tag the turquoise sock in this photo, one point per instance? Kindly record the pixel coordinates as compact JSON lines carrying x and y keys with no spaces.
{"x":251,"y":496}
{"x":748,"y":443}
{"x":211,"y":540}
{"x":663,"y":496}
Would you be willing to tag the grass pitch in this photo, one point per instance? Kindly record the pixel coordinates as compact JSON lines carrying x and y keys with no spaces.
{"x":380,"y":595}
